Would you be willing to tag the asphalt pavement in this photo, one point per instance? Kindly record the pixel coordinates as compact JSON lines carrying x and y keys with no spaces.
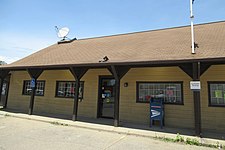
{"x":24,"y":134}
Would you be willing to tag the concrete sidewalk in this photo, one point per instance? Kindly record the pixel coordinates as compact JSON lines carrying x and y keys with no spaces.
{"x":109,"y":128}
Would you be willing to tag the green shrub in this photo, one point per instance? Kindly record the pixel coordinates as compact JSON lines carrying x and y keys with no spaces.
{"x":179,"y":138}
{"x":192,"y":142}
{"x":58,"y":123}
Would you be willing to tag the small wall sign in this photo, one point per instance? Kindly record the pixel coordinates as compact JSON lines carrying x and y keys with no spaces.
{"x":195,"y":85}
{"x":32,"y":83}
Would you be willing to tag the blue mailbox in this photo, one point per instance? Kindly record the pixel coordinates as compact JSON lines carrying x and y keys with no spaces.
{"x":156,"y":110}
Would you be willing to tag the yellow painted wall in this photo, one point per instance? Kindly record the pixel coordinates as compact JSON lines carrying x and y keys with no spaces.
{"x":130,"y":111}
{"x":51,"y":104}
{"x":175,"y":115}
{"x":15,"y":98}
{"x":213,"y":118}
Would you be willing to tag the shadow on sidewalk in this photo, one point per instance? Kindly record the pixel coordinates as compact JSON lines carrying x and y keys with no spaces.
{"x":105,"y":121}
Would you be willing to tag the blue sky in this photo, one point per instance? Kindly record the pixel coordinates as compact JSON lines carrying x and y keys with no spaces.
{"x":27,"y":26}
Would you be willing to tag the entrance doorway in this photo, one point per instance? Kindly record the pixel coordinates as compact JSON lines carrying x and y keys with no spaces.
{"x":106,"y":97}
{"x":5,"y":91}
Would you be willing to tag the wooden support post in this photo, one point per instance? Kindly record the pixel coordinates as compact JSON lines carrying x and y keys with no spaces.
{"x":3,"y":74}
{"x":76,"y":99}
{"x":116,"y":104}
{"x":78,"y":73}
{"x":187,"y":68}
{"x":118,"y":72}
{"x":34,"y":74}
{"x":31,"y":106}
{"x":195,"y":70}
{"x":7,"y":90}
{"x":204,"y":67}
{"x":197,"y":101}
{"x":1,"y":85}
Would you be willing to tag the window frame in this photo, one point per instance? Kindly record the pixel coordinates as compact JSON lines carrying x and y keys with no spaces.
{"x":24,"y":81}
{"x":164,"y":82}
{"x":57,"y":85}
{"x":209,"y":93}
{"x":4,"y":86}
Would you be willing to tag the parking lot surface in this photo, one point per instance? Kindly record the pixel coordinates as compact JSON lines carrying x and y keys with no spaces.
{"x":23,"y":134}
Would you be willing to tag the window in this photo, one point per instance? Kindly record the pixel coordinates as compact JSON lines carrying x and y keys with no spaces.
{"x":39,"y":89}
{"x":67,"y":89}
{"x":216,"y":93}
{"x":4,"y":88}
{"x":171,"y":92}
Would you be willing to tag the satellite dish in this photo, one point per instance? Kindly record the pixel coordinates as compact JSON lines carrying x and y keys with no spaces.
{"x":63,"y":32}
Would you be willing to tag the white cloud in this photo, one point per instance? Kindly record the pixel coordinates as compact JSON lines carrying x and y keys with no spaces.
{"x":17,"y":46}
{"x":8,"y":60}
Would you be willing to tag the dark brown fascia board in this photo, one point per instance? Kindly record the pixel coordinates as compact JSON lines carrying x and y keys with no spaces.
{"x":132,"y":64}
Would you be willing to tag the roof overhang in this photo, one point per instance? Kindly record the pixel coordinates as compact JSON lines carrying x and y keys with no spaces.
{"x":157,"y":63}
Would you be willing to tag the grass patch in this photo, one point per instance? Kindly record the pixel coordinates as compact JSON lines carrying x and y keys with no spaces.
{"x":59,"y":124}
{"x":189,"y":141}
{"x":6,"y":115}
{"x":192,"y":142}
{"x":179,"y":138}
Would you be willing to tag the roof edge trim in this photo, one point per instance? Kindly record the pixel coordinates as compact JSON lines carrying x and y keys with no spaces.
{"x":183,"y":26}
{"x":140,"y":63}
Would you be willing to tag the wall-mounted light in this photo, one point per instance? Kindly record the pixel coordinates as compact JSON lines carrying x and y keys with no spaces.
{"x":125,"y":84}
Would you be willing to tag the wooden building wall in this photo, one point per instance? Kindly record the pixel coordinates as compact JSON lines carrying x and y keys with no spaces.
{"x":51,"y":104}
{"x":130,"y":111}
{"x":213,"y":118}
{"x":175,"y":115}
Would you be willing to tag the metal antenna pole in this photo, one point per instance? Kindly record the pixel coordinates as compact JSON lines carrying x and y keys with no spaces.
{"x":56,"y":29}
{"x":192,"y":28}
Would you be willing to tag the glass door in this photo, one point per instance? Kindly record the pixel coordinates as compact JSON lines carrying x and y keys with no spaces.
{"x":4,"y":93}
{"x":106,"y":97}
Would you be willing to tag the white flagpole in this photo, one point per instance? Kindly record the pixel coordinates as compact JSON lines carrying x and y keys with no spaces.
{"x":192,"y":28}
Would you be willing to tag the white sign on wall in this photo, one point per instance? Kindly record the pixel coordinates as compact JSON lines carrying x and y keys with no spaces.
{"x":195,"y":85}
{"x":32,"y":83}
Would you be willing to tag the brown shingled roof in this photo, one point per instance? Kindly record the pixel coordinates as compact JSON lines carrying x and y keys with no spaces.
{"x":171,"y":44}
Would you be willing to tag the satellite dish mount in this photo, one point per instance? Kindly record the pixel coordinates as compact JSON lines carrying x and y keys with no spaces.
{"x":62,"y":33}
